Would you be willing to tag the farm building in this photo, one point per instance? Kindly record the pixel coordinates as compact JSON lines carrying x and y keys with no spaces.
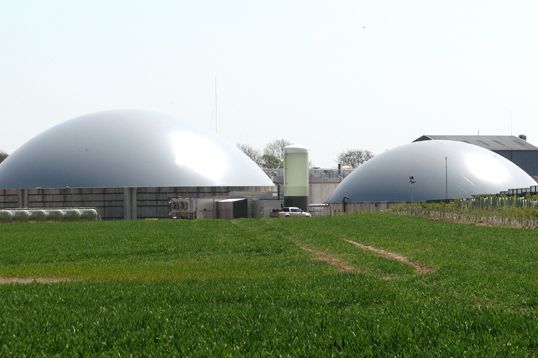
{"x":516,"y":149}
{"x":431,"y":170}
{"x":128,"y":164}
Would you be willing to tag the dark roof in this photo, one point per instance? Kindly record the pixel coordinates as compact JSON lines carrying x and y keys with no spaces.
{"x":491,"y":142}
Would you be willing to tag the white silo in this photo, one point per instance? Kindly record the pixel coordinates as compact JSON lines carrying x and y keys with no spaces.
{"x":296,"y":176}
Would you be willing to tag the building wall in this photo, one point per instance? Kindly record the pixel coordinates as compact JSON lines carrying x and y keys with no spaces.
{"x":122,"y":203}
{"x":367,"y":206}
{"x":320,"y":191}
{"x":525,"y":159}
{"x":9,"y":198}
{"x":262,"y":208}
{"x":322,"y":182}
{"x":108,"y":201}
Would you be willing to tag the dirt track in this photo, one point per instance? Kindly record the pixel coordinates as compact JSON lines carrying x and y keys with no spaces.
{"x":28,"y":280}
{"x":334,"y":261}
{"x":419,"y":268}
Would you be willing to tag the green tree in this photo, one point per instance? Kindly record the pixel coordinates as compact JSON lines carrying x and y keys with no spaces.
{"x":271,"y":161}
{"x":273,"y":153}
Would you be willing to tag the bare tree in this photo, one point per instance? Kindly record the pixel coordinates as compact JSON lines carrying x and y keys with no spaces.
{"x":274,"y":151}
{"x":354,"y":157}
{"x":252,"y":153}
{"x":272,"y":156}
{"x":3,"y":155}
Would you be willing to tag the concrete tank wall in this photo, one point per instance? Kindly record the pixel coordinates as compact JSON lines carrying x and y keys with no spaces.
{"x":121,"y":203}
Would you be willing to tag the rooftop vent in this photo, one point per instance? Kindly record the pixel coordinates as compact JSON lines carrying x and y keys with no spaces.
{"x":523,"y":136}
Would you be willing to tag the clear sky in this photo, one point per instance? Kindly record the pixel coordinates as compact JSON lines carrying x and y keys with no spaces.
{"x":331,"y":75}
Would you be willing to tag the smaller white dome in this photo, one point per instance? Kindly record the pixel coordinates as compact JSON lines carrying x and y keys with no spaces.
{"x":431,"y":170}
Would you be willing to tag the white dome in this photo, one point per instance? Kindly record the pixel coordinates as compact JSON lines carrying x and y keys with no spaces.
{"x":468,"y":170}
{"x":128,"y":148}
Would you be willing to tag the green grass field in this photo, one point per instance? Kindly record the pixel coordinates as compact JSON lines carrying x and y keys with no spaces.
{"x":250,"y":287}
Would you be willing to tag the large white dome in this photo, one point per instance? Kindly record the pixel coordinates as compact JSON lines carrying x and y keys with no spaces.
{"x":128,"y":148}
{"x":467,"y":170}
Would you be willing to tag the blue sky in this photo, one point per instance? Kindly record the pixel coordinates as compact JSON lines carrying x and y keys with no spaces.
{"x":331,"y":75}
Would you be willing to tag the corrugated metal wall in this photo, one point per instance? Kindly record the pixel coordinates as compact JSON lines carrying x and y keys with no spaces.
{"x":525,"y":159}
{"x":118,"y":203}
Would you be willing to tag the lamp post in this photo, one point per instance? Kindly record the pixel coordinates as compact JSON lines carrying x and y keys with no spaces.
{"x":446,"y":178}
{"x":344,"y":203}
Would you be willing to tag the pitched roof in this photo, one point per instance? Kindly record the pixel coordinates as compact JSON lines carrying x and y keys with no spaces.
{"x":491,"y":142}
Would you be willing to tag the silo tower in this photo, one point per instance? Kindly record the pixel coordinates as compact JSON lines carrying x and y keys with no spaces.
{"x":296,"y":176}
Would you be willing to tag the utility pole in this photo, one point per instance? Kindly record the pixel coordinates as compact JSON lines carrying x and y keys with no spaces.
{"x":411,"y":182}
{"x":216,"y":107}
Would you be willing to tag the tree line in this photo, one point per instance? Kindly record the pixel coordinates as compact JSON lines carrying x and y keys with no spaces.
{"x":272,"y":156}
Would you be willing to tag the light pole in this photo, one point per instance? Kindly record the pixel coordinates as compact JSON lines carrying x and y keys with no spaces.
{"x":446,"y":178}
{"x":344,"y":203}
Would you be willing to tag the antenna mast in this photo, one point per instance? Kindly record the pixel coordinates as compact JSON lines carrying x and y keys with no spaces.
{"x":511,"y":123}
{"x":216,"y":107}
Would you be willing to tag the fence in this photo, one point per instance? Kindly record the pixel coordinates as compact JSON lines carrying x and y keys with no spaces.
{"x":471,"y":218}
{"x":513,"y":211}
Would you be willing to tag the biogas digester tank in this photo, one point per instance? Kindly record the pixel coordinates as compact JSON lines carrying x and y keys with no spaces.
{"x":296,"y":176}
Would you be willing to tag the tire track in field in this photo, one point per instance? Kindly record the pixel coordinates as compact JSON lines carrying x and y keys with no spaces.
{"x":326,"y":257}
{"x":29,"y":280}
{"x":419,"y":268}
